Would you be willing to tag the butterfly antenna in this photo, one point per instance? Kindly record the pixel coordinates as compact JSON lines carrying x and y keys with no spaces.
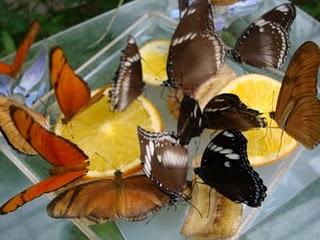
{"x":192,"y":205}
{"x":209,"y":203}
{"x":105,"y":34}
{"x":110,"y":163}
{"x":152,"y":217}
{"x":282,"y":131}
{"x":155,"y":73}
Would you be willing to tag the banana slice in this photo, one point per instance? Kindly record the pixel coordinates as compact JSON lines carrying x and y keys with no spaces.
{"x":204,"y":94}
{"x":220,"y":216}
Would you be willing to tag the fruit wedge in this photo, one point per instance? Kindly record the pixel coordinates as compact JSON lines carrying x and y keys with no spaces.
{"x":110,"y":138}
{"x":265,"y":145}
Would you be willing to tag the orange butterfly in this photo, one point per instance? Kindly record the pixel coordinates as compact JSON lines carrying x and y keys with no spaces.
{"x":298,"y":107}
{"x":68,"y":160}
{"x":14,"y":68}
{"x":72,"y":93}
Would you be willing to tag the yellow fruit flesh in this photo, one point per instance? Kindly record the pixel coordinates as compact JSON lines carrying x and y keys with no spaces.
{"x":110,"y":138}
{"x":260,"y":92}
{"x":154,"y":59}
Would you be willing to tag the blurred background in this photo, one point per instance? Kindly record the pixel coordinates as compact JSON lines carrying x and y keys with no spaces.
{"x":57,"y":15}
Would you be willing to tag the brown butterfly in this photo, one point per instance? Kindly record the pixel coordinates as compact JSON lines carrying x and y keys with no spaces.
{"x":226,"y":111}
{"x":14,"y":68}
{"x":68,"y":160}
{"x":298,"y":107}
{"x":9,"y":130}
{"x":131,"y":198}
{"x":196,"y":52}
{"x":127,"y":83}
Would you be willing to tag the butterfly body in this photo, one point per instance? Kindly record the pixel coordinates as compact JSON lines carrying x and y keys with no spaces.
{"x":298,"y":107}
{"x":225,"y":167}
{"x":131,"y":198}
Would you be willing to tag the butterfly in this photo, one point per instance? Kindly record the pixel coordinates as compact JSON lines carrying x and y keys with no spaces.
{"x":227,"y":111}
{"x":196,"y":52}
{"x":225,"y":167}
{"x":127,"y":83}
{"x":131,"y":198}
{"x":70,"y":162}
{"x":298,"y":107}
{"x":71,"y":92}
{"x":164,"y":161}
{"x":265,"y":42}
{"x":223,"y":111}
{"x":9,"y":130}
{"x":14,"y":68}
{"x":189,"y":120}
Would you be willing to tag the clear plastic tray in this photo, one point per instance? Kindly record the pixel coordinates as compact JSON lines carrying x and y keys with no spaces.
{"x":99,"y":69}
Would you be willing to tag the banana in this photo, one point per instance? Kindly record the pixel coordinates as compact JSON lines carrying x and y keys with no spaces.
{"x":220,"y":217}
{"x":205,"y":92}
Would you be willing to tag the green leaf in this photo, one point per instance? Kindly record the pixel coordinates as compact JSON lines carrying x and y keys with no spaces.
{"x":7,"y":42}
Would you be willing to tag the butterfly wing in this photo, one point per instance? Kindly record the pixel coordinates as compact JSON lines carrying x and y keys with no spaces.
{"x":195,"y":51}
{"x":265,"y":42}
{"x":132,"y":200}
{"x":9,"y":130}
{"x":128,"y":83}
{"x":225,"y":167}
{"x":55,"y":149}
{"x":71,"y":91}
{"x":183,"y":7}
{"x":298,"y":109}
{"x":189,"y":121}
{"x":194,"y":60}
{"x":284,"y":15}
{"x":22,"y":52}
{"x":227,"y":111}
{"x":164,"y":161}
{"x":48,"y":185}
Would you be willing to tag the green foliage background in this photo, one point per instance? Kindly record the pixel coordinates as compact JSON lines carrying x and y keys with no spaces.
{"x":57,"y":15}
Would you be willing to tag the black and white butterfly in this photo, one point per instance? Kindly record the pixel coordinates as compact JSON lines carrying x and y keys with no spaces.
{"x":189,"y":120}
{"x":196,"y":52}
{"x":223,"y":111}
{"x":266,"y":41}
{"x":164,"y":161}
{"x":127,"y":83}
{"x":227,"y":111}
{"x":225,"y":167}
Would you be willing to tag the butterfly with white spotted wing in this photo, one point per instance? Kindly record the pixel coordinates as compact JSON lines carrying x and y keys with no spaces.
{"x":196,"y":52}
{"x":127,"y":83}
{"x":164,"y":161}
{"x":225,"y":167}
{"x":266,"y":41}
